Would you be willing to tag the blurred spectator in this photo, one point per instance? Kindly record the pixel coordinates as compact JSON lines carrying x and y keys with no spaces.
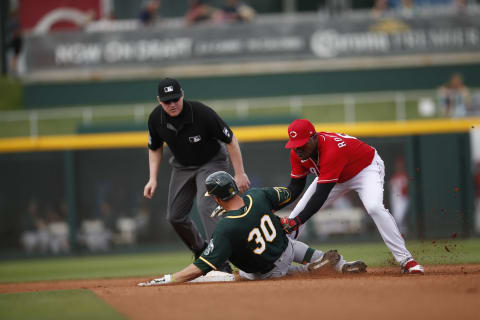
{"x":142,"y":216}
{"x":235,"y":11}
{"x":198,"y":11}
{"x":107,"y":216}
{"x":454,"y":97}
{"x":421,"y":3}
{"x":399,"y":200}
{"x":97,"y":233}
{"x":406,"y":8}
{"x":58,"y":233}
{"x":379,"y":8}
{"x":477,"y":198}
{"x":475,"y":104}
{"x":148,"y":14}
{"x":35,"y":234}
{"x":94,"y":235}
{"x":336,"y":7}
{"x":14,"y":40}
{"x":460,"y":6}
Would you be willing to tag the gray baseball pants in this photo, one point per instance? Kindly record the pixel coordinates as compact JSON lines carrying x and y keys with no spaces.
{"x":294,"y":252}
{"x":186,"y":184}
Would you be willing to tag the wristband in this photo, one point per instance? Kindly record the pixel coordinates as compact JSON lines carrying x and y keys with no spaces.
{"x":168,"y":278}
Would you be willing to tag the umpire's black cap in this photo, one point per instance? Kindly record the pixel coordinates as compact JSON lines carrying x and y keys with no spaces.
{"x":169,"y":89}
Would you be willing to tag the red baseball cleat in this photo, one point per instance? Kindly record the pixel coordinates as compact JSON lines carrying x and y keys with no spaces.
{"x":412,"y":267}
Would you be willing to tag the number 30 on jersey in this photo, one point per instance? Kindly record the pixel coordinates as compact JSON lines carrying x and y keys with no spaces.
{"x":266,"y":232}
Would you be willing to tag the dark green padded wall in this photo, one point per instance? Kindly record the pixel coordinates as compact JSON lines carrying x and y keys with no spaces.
{"x":143,"y":90}
{"x":443,"y":180}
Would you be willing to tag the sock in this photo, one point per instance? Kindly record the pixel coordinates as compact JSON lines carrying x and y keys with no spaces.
{"x":308,"y":255}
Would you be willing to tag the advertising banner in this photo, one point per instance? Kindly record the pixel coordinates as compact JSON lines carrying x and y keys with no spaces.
{"x":54,"y":15}
{"x":305,"y":39}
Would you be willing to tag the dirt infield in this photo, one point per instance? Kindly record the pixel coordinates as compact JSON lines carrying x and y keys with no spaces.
{"x":445,"y":292}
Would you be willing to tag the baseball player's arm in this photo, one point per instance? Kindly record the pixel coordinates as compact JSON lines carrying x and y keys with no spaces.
{"x":241,"y":177}
{"x":296,"y":186}
{"x":189,"y":273}
{"x":154,"y":160}
{"x":294,"y":189}
{"x":313,"y":205}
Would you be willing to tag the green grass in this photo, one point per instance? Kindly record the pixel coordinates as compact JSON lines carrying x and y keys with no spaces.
{"x":146,"y":265}
{"x":10,"y":94}
{"x":111,"y":266}
{"x":426,"y":252}
{"x":51,"y":305}
{"x":324,"y":114}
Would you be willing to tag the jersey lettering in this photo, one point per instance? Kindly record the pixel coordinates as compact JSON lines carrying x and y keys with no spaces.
{"x":340,"y":141}
{"x":268,"y":232}
{"x":255,"y":234}
{"x":343,"y":135}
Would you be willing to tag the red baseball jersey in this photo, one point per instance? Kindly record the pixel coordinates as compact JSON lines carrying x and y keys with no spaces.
{"x":340,"y":158}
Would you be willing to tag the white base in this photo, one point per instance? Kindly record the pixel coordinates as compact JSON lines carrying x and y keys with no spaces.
{"x":215,"y":276}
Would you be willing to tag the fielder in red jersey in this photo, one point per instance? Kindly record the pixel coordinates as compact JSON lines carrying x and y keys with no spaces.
{"x":341,"y":163}
{"x":341,"y":157}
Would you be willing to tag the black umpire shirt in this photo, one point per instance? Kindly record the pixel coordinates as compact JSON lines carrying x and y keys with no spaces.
{"x":192,"y":136}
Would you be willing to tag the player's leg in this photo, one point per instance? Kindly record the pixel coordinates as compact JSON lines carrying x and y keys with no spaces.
{"x":281,"y":269}
{"x":369,"y":186}
{"x":337,"y":191}
{"x":206,"y":205}
{"x":309,"y":258}
{"x":181,"y":193}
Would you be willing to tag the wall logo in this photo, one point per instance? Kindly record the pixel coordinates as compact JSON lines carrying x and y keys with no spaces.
{"x":168,"y":89}
{"x":209,"y":248}
{"x":195,"y":139}
{"x":226,"y":132}
{"x":330,"y":43}
{"x":293,"y":134}
{"x":322,"y":43}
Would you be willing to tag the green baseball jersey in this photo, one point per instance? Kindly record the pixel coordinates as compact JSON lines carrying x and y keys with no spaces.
{"x":251,"y":237}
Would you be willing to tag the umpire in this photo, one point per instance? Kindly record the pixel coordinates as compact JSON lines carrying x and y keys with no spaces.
{"x":193,"y":132}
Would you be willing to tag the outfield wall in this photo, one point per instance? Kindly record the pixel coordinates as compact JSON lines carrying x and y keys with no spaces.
{"x":97,"y":92}
{"x":85,"y":177}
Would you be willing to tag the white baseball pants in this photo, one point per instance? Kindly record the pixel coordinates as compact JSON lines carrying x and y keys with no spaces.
{"x":369,"y":186}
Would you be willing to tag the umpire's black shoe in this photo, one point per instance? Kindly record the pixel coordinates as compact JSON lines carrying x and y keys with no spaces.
{"x":225,"y":268}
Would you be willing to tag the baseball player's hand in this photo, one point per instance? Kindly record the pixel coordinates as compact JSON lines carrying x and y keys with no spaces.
{"x":149,"y":189}
{"x":290,"y":225}
{"x":166,"y":279}
{"x":243,"y":183}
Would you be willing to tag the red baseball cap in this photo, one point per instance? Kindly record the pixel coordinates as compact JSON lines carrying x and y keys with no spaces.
{"x":299,"y":131}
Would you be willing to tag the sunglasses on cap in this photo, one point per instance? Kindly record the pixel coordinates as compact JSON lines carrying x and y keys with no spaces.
{"x":171,"y":100}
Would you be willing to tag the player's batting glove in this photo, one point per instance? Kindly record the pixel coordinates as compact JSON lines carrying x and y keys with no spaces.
{"x":217,"y":212}
{"x":290,"y":225}
{"x":166,"y":279}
